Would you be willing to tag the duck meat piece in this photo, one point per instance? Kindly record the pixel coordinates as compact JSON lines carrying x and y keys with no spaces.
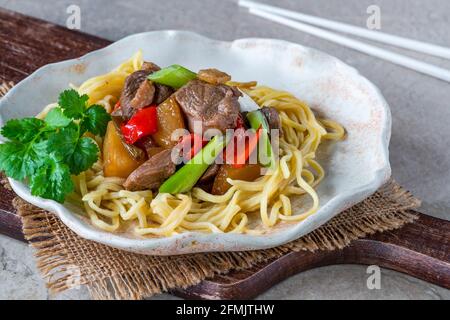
{"x":148,"y":144}
{"x":215,"y":106}
{"x":152,"y":173}
{"x":213,"y":76}
{"x":209,"y":174}
{"x":207,"y":179}
{"x":162,"y":93}
{"x":150,"y":67}
{"x":137,"y":93}
{"x":273,"y":118}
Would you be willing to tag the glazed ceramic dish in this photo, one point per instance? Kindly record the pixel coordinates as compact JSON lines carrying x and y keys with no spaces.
{"x":355,"y":167}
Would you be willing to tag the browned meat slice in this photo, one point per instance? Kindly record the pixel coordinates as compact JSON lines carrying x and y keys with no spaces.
{"x":215,"y":106}
{"x":150,"y":67}
{"x":162,"y":93}
{"x":137,"y":93}
{"x":152,"y":173}
{"x":209,"y":174}
{"x":154,"y":151}
{"x":273,"y":118}
{"x":213,"y":76}
{"x":148,"y":144}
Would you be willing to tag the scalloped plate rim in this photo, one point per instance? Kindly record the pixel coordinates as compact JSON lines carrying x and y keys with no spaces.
{"x":184,"y":243}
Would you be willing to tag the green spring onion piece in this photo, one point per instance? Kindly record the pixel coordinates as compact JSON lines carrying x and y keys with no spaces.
{"x":174,"y":76}
{"x":258,"y":120}
{"x":185,"y":179}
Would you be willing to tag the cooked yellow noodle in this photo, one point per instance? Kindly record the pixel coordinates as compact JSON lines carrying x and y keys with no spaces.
{"x":111,"y":84}
{"x":105,"y":89}
{"x":111,"y":208}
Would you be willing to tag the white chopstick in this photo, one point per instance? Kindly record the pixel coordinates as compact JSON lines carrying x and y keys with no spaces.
{"x":397,"y":41}
{"x":396,"y":58}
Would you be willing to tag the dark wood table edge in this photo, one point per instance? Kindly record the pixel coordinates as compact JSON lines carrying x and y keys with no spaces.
{"x":390,"y":249}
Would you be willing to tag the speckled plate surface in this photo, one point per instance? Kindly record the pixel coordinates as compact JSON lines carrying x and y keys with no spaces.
{"x":355,"y":168}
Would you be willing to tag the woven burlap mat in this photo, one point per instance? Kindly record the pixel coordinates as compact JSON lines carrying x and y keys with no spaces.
{"x":67,"y":261}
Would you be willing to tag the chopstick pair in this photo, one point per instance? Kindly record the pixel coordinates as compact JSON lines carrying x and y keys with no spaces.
{"x":283,"y":16}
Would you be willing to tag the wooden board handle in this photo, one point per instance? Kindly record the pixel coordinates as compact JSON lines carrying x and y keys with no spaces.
{"x":420,"y":249}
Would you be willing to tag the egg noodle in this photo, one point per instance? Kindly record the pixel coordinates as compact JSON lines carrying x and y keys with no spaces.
{"x":112,"y":208}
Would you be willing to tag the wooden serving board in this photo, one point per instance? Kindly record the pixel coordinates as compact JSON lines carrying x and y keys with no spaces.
{"x":420,"y":249}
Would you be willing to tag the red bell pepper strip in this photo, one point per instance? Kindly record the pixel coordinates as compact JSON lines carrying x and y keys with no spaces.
{"x":250,"y":145}
{"x":143,"y":123}
{"x":187,"y":176}
{"x":239,"y":157}
{"x":191,"y":144}
{"x":240,"y":122}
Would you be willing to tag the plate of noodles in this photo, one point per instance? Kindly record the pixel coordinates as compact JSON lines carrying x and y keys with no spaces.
{"x":168,"y":142}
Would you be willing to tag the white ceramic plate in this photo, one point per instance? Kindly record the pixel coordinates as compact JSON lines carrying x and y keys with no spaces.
{"x":355,"y":168}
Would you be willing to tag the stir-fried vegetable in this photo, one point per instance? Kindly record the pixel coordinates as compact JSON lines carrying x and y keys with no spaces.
{"x":142,"y":124}
{"x":117,"y":161}
{"x":135,"y":152}
{"x":265,"y":155}
{"x":245,"y":142}
{"x":213,"y":76}
{"x":185,"y":179}
{"x":248,"y":172}
{"x":190,"y":145}
{"x":170,"y":118}
{"x":174,"y":76}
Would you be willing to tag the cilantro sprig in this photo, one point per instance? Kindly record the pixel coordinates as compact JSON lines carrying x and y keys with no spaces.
{"x":47,"y":152}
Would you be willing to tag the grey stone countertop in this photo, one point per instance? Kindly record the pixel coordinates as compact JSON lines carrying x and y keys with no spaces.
{"x":419,"y":150}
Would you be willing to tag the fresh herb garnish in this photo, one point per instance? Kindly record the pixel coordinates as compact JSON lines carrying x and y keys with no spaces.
{"x":47,"y":152}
